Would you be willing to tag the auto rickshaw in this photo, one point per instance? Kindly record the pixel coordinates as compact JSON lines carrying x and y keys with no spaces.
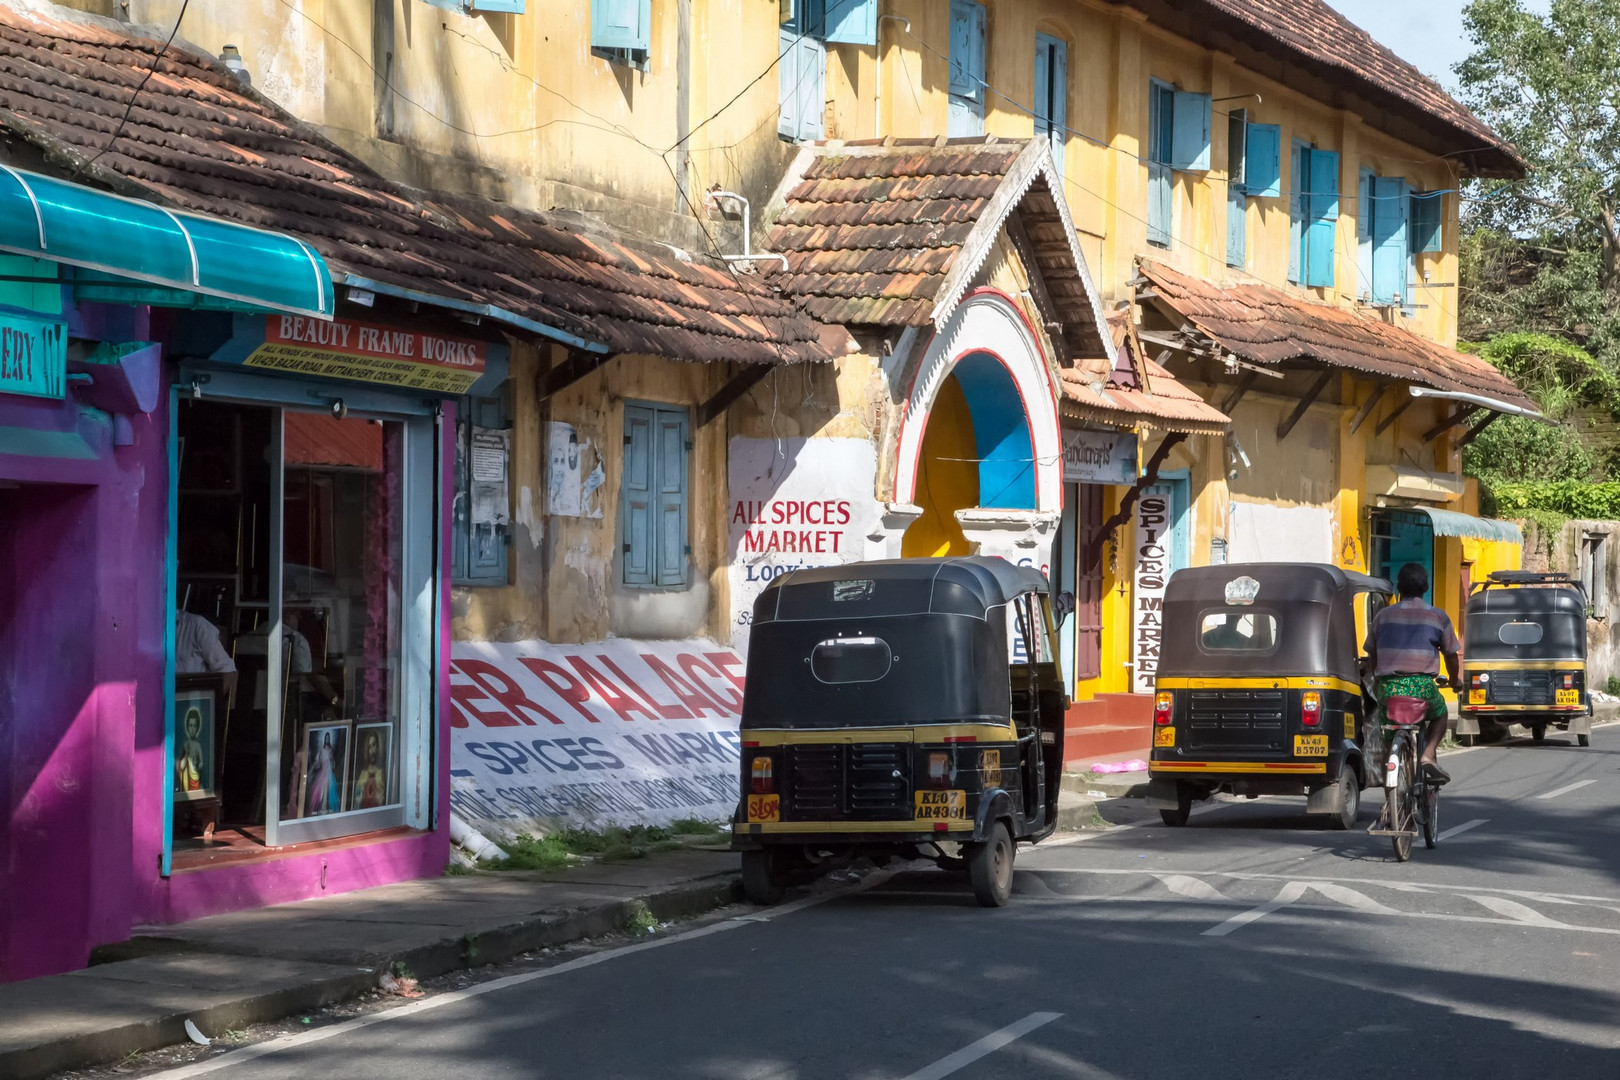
{"x":1524,"y":656}
{"x":909,"y":708}
{"x":1259,"y":688}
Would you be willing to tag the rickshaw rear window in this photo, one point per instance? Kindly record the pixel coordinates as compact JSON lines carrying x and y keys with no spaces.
{"x":1238,"y":631}
{"x":851,"y":660}
{"x":1519,"y":633}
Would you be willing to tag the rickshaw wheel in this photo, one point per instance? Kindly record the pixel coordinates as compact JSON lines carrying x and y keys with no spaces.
{"x":1538,"y":732}
{"x":1349,"y":802}
{"x":990,"y":866}
{"x":761,"y":882}
{"x":1584,"y":740}
{"x":1178,"y":817}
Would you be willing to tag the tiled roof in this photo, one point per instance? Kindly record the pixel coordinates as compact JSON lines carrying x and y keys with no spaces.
{"x":891,"y":233}
{"x":197,"y":139}
{"x":1268,"y":326}
{"x":1093,"y":390}
{"x":1304,"y":42}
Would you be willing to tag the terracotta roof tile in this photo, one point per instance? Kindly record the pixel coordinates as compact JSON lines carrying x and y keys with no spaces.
{"x":197,"y":140}
{"x":1268,"y":326}
{"x":1094,"y":390}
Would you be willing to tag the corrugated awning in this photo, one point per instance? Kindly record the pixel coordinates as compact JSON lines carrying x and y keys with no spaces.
{"x":128,"y":241}
{"x":1451,"y":523}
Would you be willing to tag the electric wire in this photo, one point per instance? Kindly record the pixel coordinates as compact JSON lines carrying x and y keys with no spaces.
{"x":130,"y":107}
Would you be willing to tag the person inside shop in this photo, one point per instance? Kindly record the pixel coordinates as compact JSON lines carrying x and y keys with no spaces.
{"x":198,"y":650}
{"x":315,"y":692}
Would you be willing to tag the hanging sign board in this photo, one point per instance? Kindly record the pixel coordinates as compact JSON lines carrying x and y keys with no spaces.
{"x":1151,"y":554}
{"x":33,"y":357}
{"x":369,"y":353}
{"x":1099,"y":457}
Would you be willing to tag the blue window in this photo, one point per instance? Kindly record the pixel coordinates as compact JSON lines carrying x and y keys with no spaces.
{"x":1383,"y":229}
{"x":967,"y":85}
{"x":653,"y":516}
{"x":1237,"y":198}
{"x":1313,"y":216}
{"x":621,"y":30}
{"x":480,"y":522}
{"x":1262,"y":166}
{"x":1427,"y":213}
{"x":1052,"y":95}
{"x":1178,"y":141}
{"x":808,"y":26}
{"x":514,"y":6}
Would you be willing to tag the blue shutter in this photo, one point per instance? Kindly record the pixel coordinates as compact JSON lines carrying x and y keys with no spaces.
{"x":1237,"y":226}
{"x":1160,"y":113}
{"x":1366,"y":213}
{"x":787,"y":85}
{"x":1297,"y":184}
{"x":1427,"y":214}
{"x":515,"y":6}
{"x":1189,"y":140}
{"x":461,"y":507}
{"x":671,"y":472}
{"x":852,"y":22}
{"x":967,"y":69}
{"x":621,"y":24}
{"x":801,"y":86}
{"x":1322,"y":210}
{"x":1159,"y":210}
{"x":1262,"y":172}
{"x":487,"y":545}
{"x":1389,"y":253}
{"x":637,"y":524}
{"x":1059,"y":134}
{"x":1043,"y":85}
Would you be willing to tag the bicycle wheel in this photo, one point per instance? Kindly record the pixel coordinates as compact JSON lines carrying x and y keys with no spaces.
{"x":1399,"y":798}
{"x":1431,"y":815}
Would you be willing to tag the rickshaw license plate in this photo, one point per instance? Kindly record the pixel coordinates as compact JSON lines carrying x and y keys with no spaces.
{"x":1476,"y":697}
{"x":1566,"y":697}
{"x":941,"y":805}
{"x":1310,"y":745}
{"x":764,"y":808}
{"x":1164,"y":736}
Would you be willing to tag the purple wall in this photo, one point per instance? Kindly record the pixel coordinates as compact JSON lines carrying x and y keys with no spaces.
{"x":83,"y":612}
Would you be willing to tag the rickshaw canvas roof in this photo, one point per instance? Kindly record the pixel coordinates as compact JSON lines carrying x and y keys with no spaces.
{"x":992,"y":581}
{"x":1295,"y":580}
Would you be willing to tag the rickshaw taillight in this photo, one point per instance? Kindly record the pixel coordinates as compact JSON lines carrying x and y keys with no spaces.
{"x":939,"y":770}
{"x":1569,"y":682}
{"x":1161,"y":709}
{"x":1310,"y":708}
{"x":764,"y":775}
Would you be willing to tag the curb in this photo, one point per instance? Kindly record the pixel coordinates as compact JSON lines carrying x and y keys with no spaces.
{"x":471,"y":950}
{"x":1113,"y":786}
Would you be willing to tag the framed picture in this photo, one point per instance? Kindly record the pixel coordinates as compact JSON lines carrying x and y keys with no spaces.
{"x":327,"y":747}
{"x":373,"y":765}
{"x":194,"y":709}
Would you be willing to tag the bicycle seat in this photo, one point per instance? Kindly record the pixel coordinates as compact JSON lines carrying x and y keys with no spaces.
{"x":1406,"y":711}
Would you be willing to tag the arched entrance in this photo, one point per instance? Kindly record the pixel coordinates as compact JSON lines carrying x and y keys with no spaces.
{"x":977,"y":452}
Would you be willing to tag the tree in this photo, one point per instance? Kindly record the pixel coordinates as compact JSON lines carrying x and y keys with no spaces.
{"x":1543,"y":252}
{"x":1565,"y":380}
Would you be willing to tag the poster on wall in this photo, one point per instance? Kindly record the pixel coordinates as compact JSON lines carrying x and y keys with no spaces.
{"x":570,"y":490}
{"x":1037,"y":555}
{"x":1261,"y":532}
{"x":491,"y":449}
{"x":1099,"y":457}
{"x":1150,"y":552}
{"x":619,"y":732}
{"x":795,"y":503}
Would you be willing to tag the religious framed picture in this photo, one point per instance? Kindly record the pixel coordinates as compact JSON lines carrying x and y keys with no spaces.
{"x":193,"y":745}
{"x":327,"y":747}
{"x":373,"y":765}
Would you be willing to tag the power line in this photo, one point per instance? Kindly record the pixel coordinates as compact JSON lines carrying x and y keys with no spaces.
{"x":129,"y":108}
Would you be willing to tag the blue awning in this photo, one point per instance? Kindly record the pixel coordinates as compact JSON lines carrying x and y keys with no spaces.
{"x":1451,"y":523}
{"x":130,"y":241}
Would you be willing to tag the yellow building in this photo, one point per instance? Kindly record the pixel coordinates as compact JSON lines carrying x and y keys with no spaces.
{"x":1273,"y":158}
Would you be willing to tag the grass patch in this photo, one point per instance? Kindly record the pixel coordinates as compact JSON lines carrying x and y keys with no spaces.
{"x":455,"y":869}
{"x":620,"y":843}
{"x":642,"y":922}
{"x":534,"y":853}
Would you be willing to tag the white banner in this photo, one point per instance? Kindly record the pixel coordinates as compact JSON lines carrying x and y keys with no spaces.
{"x":618,"y":732}
{"x":795,"y":503}
{"x":1260,"y":532}
{"x":1151,"y":554}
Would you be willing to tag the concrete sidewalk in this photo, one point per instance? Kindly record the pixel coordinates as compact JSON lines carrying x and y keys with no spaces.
{"x":229,"y":971}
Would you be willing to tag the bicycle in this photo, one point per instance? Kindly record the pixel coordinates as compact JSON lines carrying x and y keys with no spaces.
{"x":1411,"y":802}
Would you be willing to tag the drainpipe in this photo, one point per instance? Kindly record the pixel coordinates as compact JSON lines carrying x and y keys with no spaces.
{"x":683,"y":104}
{"x":748,"y":255}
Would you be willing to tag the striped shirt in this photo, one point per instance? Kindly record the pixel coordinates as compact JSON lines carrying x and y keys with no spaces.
{"x":1409,"y":637}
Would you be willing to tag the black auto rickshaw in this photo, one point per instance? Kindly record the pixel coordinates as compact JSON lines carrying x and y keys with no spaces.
{"x":899,"y":709}
{"x":1259,"y":688}
{"x":1524,"y":657}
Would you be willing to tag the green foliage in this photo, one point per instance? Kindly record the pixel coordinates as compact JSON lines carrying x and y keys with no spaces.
{"x":1562,"y":377}
{"x":642,"y":920}
{"x":535,"y":853}
{"x":1614,"y":686}
{"x":1568,"y":498}
{"x":634,"y":842}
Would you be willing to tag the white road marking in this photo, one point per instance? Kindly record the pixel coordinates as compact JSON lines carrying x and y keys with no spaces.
{"x":1194,"y":888}
{"x":416,"y":1008}
{"x":1464,"y":827}
{"x":1566,"y":789}
{"x":1516,"y":911}
{"x":1080,"y":837}
{"x":1352,"y":899}
{"x":1290,"y":892}
{"x":992,"y":1042}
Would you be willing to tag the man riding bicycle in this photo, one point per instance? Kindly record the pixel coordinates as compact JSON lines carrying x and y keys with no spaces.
{"x":1404,"y":645}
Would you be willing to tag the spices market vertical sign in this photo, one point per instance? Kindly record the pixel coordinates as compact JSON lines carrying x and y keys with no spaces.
{"x":33,"y":357}
{"x":1151,"y":553}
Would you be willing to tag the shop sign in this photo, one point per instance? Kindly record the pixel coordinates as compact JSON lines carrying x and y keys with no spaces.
{"x":795,"y":503}
{"x":1151,"y":554}
{"x":364,"y":352}
{"x":1099,"y":457}
{"x":33,"y":357}
{"x":619,"y":732}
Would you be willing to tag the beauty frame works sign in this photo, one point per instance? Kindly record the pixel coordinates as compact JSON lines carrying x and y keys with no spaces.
{"x":369,"y":353}
{"x":618,"y":732}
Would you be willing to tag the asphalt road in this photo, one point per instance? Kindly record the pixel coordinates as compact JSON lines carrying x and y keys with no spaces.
{"x":1253,"y":943}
